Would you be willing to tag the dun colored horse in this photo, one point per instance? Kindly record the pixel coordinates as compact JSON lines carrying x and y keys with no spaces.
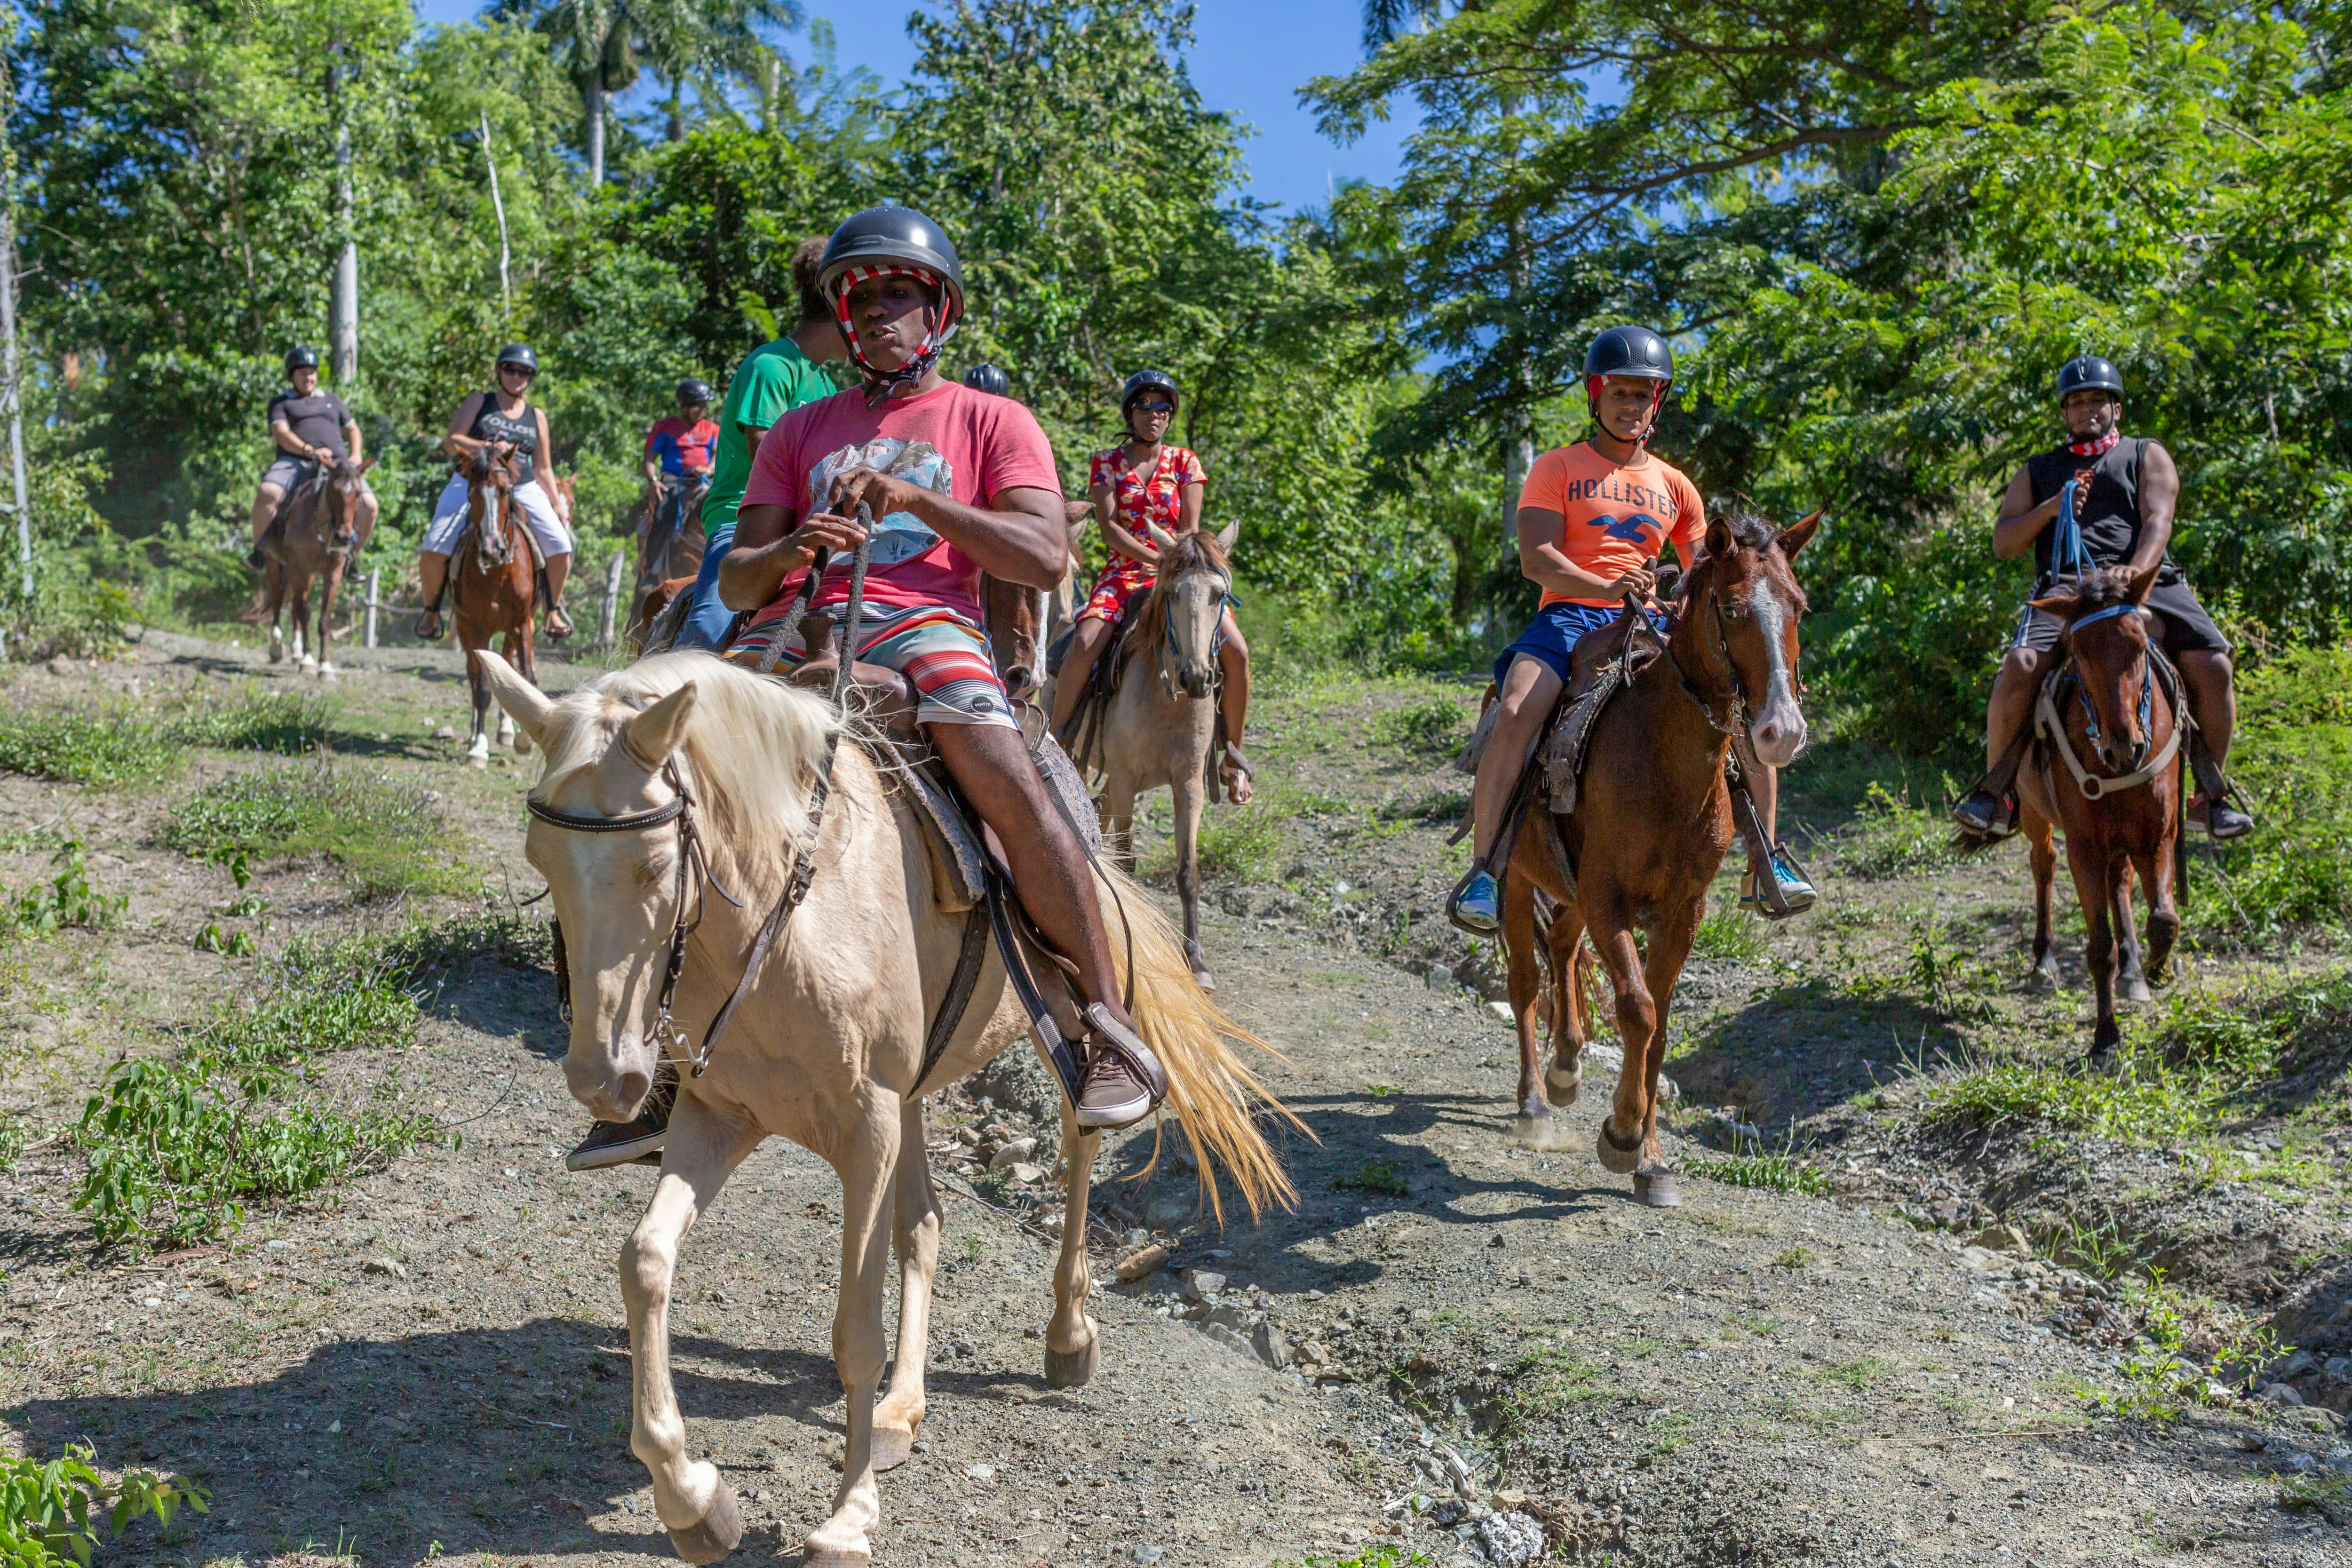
{"x":683,"y":775}
{"x":1653,"y":820}
{"x":316,"y":538}
{"x":496,"y":590}
{"x":2105,"y":768}
{"x":1161,"y":726}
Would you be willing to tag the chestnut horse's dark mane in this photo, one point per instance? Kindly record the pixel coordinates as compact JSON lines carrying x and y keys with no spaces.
{"x":2101,"y":590}
{"x":1748,"y":526}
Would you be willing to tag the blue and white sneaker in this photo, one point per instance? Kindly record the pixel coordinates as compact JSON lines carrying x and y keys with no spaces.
{"x":1797,"y":895}
{"x":1476,"y":905}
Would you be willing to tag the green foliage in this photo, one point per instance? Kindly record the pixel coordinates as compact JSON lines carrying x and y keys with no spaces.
{"x":386,"y":835}
{"x":14,"y":1135}
{"x":96,"y":748}
{"x":287,"y":723}
{"x":2294,"y":757}
{"x":2159,"y":1382}
{"x":51,"y":1514}
{"x":2327,"y":1494}
{"x":1889,"y":837}
{"x":1378,"y":1176}
{"x":1777,"y":1171}
{"x":67,"y":899}
{"x":1438,"y":725}
{"x":1729,"y":932}
{"x":1370,"y":1557}
{"x":178,"y":1148}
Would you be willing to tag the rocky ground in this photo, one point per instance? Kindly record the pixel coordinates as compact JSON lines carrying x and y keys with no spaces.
{"x":1454,"y":1349}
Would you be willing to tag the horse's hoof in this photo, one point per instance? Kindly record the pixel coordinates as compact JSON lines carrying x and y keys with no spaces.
{"x":1563,"y":1086}
{"x":1541,"y":1130}
{"x":1656,"y":1188}
{"x":892,"y":1447}
{"x":1073,"y":1369}
{"x":521,"y":744}
{"x":1615,"y":1160}
{"x":1204,"y":980}
{"x":716,"y":1533}
{"x":2136,"y":991}
{"x":2043,"y":978}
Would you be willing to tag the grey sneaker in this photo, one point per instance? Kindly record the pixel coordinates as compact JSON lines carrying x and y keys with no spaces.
{"x":636,"y":1143}
{"x":1124,"y":1081}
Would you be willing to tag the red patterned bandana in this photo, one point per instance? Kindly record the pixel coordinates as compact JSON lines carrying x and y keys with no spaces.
{"x":941,"y":325}
{"x":2099,"y":448}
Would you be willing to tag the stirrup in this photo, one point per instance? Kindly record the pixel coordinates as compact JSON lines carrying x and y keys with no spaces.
{"x":1792,"y":896}
{"x":2000,"y":824}
{"x":1467,"y":922}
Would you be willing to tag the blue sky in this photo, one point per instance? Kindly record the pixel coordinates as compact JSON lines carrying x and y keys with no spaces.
{"x":1248,"y":58}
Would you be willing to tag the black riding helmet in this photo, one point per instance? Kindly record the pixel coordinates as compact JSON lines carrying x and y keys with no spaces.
{"x":301,"y":357}
{"x":518,"y":354}
{"x":1144,"y":381}
{"x":1629,"y":351}
{"x":2088,"y":373}
{"x":694,"y":389}
{"x":879,"y":236}
{"x":989,"y":379}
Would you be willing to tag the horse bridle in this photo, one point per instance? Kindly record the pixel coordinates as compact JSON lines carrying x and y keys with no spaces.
{"x":693,"y":867}
{"x":2047,"y":723}
{"x":1169,"y":651}
{"x":1735,"y":722}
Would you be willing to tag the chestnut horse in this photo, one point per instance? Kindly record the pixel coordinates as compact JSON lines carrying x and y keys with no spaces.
{"x":1651,"y":826}
{"x":496,"y":589}
{"x":316,"y":538}
{"x":2106,"y":770}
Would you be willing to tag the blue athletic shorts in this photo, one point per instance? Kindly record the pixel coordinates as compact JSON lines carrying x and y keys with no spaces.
{"x":1555,"y":630}
{"x":707,"y":623}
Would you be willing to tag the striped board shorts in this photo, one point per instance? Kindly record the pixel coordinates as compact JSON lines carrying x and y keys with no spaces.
{"x":945,"y":655}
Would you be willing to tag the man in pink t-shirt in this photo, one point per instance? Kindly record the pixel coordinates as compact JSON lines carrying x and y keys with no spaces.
{"x":959,"y":483}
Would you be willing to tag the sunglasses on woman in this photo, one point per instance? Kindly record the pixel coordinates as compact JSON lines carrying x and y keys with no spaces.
{"x":1155,"y":408}
{"x":524,"y":371}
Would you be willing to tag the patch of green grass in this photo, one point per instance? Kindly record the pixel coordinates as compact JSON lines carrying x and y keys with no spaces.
{"x":2160,"y":1383}
{"x":106,"y":749}
{"x":386,"y":835}
{"x":179,"y":1147}
{"x":1380,"y":1090}
{"x":2293,"y":758}
{"x":1891,"y":837}
{"x":54,"y":1514}
{"x":14,"y":1135}
{"x":67,"y":899}
{"x":2328,"y":1495}
{"x":285,"y":723}
{"x":1437,"y":806}
{"x":1730,"y":932}
{"x":1792,"y":1258}
{"x":1379,"y":1176}
{"x":1544,"y":1380}
{"x":1780,"y":1172}
{"x":1856,"y":1375}
{"x":1437,"y":725}
{"x":508,"y":936}
{"x":1370,"y":1557}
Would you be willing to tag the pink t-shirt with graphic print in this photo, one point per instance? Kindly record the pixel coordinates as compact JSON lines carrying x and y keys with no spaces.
{"x":989,"y":445}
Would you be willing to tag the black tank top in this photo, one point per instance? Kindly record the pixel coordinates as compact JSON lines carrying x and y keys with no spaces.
{"x":520,"y":429}
{"x":2106,"y":510}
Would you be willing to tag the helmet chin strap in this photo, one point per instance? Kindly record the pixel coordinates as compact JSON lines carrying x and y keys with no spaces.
{"x":1592,"y":384}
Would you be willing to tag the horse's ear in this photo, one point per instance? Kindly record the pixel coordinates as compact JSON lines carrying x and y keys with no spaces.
{"x":2143,"y":580}
{"x":651,"y":736}
{"x":1160,"y":538}
{"x":2059,"y":605}
{"x":1720,"y":541}
{"x":367,"y":462}
{"x":526,"y":703}
{"x":1795,"y":537}
{"x":1229,"y":535}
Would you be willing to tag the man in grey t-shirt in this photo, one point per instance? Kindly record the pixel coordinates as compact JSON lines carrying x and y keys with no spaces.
{"x":308,"y":426}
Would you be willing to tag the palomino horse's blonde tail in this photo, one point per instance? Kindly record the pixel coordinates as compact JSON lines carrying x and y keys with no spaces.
{"x":1214,"y":1095}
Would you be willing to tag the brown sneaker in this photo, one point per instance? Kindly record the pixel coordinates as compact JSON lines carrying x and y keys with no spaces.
{"x":637,"y":1143}
{"x":1123,"y":1082}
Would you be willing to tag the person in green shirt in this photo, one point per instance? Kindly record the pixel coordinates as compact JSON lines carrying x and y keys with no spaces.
{"x":774,"y":377}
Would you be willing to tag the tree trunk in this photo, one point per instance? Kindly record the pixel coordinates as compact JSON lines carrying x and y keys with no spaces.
{"x":1519,"y":422}
{"x":498,"y":206}
{"x":594,"y":97}
{"x":345,"y":350}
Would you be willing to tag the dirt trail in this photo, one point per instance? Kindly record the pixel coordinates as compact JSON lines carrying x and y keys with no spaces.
{"x":435,"y":1364}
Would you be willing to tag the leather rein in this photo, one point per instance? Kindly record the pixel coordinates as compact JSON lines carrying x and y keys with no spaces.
{"x":2050,"y":726}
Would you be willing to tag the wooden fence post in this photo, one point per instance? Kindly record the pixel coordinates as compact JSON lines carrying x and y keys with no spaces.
{"x":611,"y":602}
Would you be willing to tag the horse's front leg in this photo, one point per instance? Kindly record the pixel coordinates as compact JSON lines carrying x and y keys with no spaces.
{"x":2093,"y":888}
{"x":305,"y":654}
{"x":1532,"y":1122}
{"x":334,"y":581}
{"x":2041,"y":851}
{"x":916,"y":1208}
{"x":867,"y":1165}
{"x":1624,"y":1129}
{"x":1117,"y":811}
{"x":1670,"y":943}
{"x":1073,"y":1341}
{"x":2156,"y":869}
{"x":692,"y":1498}
{"x":2129,"y":978}
{"x":1191,"y":799}
{"x":477,"y":744}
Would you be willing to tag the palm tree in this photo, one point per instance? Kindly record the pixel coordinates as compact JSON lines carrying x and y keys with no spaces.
{"x":594,"y":41}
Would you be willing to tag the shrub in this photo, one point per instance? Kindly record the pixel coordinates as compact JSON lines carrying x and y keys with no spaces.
{"x":1437,"y":725}
{"x":67,"y":899}
{"x":49,"y":1513}
{"x":385,"y":835}
{"x":2293,"y":757}
{"x":1891,"y":837}
{"x":1379,"y":1177}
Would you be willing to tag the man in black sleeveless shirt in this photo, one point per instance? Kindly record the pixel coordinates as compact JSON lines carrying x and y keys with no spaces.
{"x":2126,"y":489}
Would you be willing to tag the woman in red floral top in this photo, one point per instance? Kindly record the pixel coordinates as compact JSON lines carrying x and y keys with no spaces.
{"x":1141,"y":481}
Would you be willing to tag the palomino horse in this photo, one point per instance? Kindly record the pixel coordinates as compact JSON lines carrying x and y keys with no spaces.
{"x":1653,"y":819}
{"x":1161,"y":726}
{"x":683,"y":775}
{"x":2114,"y":724}
{"x":496,"y":589}
{"x":316,"y":538}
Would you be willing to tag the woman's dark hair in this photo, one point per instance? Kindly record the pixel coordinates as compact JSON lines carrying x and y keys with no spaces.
{"x":808,"y":262}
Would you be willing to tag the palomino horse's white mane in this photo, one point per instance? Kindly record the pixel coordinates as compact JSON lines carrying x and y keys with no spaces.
{"x":750,"y":748}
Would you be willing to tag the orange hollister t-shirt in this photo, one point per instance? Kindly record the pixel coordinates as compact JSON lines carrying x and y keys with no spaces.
{"x":1619,"y":516}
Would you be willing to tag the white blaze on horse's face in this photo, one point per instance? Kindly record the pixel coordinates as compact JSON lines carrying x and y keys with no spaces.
{"x":1777,"y":732}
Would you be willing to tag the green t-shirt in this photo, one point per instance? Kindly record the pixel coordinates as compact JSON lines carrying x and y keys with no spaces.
{"x":774,"y":377}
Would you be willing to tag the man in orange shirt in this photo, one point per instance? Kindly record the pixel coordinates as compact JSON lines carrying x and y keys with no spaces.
{"x":1592,"y":520}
